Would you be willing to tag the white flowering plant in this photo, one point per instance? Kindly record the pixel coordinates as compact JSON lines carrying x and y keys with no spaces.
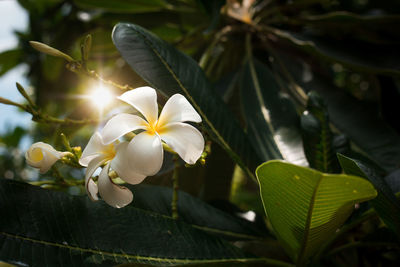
{"x":203,"y":133}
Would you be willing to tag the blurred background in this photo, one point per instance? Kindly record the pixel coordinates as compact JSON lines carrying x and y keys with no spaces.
{"x":13,"y":123}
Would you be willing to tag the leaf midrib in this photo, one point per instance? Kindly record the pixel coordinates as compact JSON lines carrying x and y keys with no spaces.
{"x":127,"y":256}
{"x":308,"y":222}
{"x":220,"y":138}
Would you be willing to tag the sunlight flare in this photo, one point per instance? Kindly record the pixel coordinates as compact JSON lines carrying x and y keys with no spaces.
{"x":101,"y":96}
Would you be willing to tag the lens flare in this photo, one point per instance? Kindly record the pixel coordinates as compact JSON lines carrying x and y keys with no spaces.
{"x":101,"y":97}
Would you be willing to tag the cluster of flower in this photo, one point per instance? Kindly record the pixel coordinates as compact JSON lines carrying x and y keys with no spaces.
{"x":142,"y":156}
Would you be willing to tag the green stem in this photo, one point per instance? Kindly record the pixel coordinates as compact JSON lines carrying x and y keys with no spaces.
{"x":38,"y":117}
{"x":175,"y":187}
{"x":66,"y":182}
{"x":258,"y":91}
{"x":6,"y":101}
{"x":95,"y":75}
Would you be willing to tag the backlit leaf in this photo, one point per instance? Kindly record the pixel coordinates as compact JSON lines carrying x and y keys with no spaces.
{"x":306,"y":206}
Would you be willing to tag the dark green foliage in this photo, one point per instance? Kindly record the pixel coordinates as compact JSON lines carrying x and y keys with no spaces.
{"x":63,"y":230}
{"x":317,"y":136}
{"x":271,"y":118}
{"x":386,"y":204}
{"x":197,"y":213}
{"x":9,"y":59}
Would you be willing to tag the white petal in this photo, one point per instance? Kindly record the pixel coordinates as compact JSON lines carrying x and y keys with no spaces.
{"x":184,"y":139}
{"x":92,"y":149}
{"x":115,"y":195}
{"x":178,"y":109}
{"x":121,"y":124}
{"x":145,"y":153}
{"x":43,"y":156}
{"x":90,"y":186}
{"x":92,"y":190}
{"x":123,"y":166}
{"x":144,"y":99}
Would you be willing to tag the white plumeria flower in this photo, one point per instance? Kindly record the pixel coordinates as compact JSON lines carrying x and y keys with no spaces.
{"x":146,"y":148}
{"x":42,"y":156}
{"x":243,"y":12}
{"x":113,"y":155}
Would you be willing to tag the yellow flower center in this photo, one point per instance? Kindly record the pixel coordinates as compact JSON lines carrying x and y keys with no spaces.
{"x":36,"y":154}
{"x":110,"y":151}
{"x":153,"y":128}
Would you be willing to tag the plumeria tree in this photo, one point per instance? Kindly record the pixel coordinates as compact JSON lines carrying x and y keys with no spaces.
{"x":251,"y":133}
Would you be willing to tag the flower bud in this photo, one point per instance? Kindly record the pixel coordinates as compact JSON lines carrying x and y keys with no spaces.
{"x":42,"y":156}
{"x":50,"y":50}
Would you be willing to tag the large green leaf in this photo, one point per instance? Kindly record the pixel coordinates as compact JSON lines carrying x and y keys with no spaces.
{"x":45,"y":228}
{"x":317,"y":136}
{"x":195,"y":212}
{"x":271,"y":117}
{"x":123,"y":6}
{"x":305,"y":207}
{"x":386,"y":204}
{"x":171,"y":72}
{"x":9,"y":59}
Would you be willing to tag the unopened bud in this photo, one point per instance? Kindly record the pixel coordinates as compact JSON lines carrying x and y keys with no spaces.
{"x":50,"y":50}
{"x":42,"y":156}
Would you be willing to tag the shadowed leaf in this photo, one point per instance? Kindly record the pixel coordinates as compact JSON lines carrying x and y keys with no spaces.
{"x":386,"y":204}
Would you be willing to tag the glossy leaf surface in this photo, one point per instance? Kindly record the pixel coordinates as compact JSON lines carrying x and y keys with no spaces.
{"x":272,"y":119}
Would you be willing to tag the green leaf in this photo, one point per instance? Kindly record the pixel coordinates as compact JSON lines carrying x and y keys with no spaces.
{"x":386,"y":204}
{"x":171,"y":72}
{"x":356,"y":55}
{"x":122,"y":6}
{"x":213,"y":9}
{"x":195,"y":212}
{"x":9,"y":59}
{"x":271,"y":116}
{"x":317,"y":136}
{"x":13,"y":137}
{"x":358,"y":120}
{"x":305,"y":206}
{"x":45,"y":228}
{"x":393,"y":180}
{"x":369,"y":28}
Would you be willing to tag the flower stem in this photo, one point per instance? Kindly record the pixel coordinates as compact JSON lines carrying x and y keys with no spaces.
{"x":175,"y":187}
